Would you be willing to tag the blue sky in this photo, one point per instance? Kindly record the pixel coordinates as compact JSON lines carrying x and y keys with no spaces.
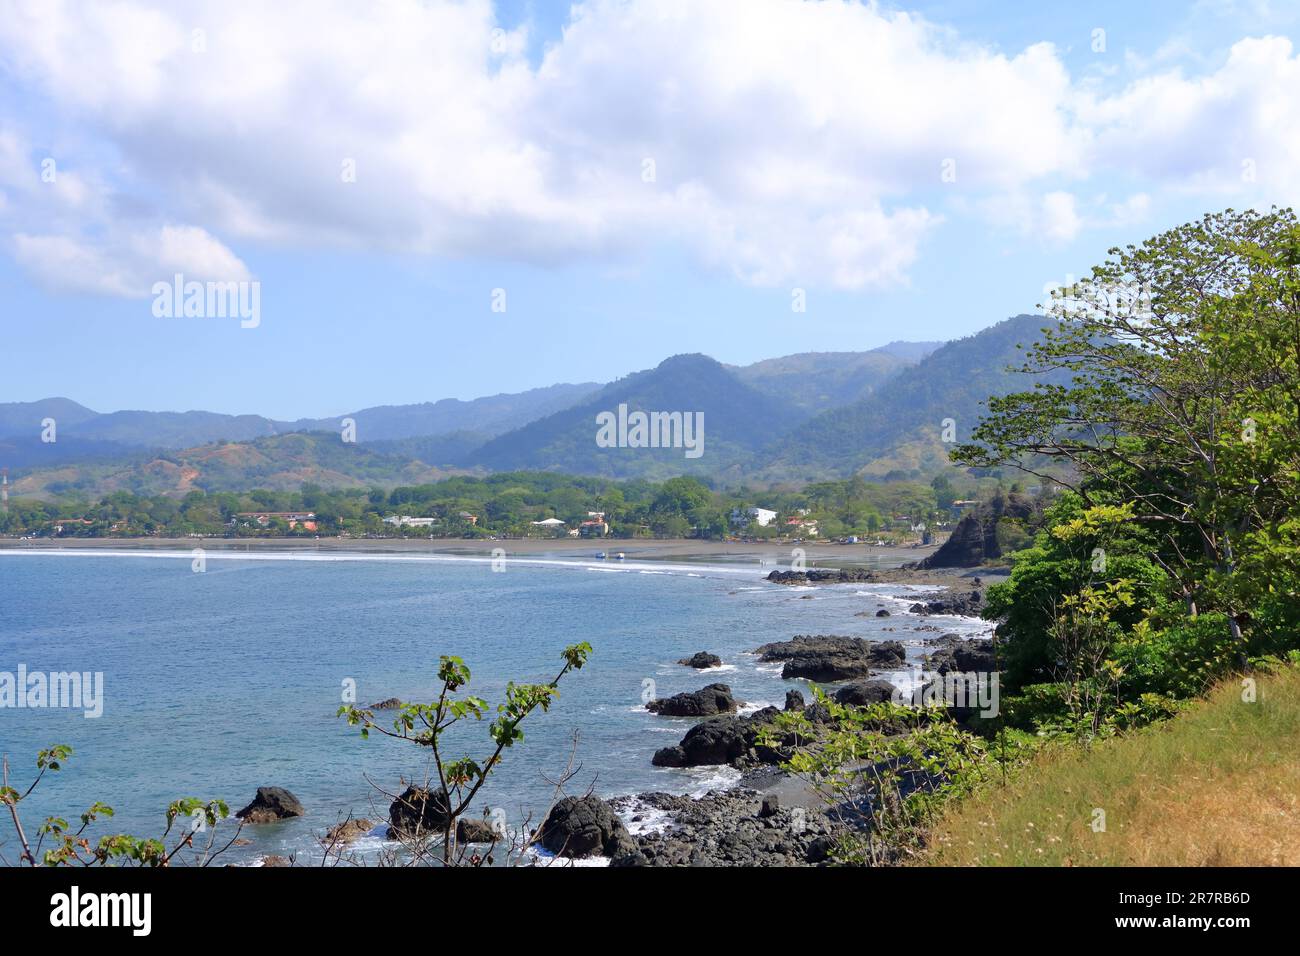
{"x":794,"y":146}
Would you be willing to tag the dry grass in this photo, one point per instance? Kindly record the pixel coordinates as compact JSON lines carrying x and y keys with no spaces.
{"x":1216,"y":786}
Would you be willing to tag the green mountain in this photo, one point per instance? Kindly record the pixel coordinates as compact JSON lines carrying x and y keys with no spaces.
{"x":796,"y":418}
{"x":814,"y":382}
{"x":488,"y":416}
{"x":84,"y":435}
{"x":738,"y":419}
{"x":23,"y":419}
{"x":897,"y":431}
{"x":275,"y":463}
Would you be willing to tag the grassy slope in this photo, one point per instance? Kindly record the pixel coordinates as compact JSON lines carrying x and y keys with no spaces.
{"x":1217,"y":786}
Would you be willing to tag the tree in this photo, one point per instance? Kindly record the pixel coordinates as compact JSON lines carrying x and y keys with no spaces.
{"x":459,"y":780}
{"x":1184,"y":400}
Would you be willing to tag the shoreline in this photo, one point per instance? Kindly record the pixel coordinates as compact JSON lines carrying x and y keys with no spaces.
{"x":635,"y":549}
{"x":885,"y":563}
{"x":741,"y":815}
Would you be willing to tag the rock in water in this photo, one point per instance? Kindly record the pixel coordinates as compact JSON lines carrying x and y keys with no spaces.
{"x":831,"y":657}
{"x":969,"y":605}
{"x":865,"y":693}
{"x":475,"y":831}
{"x":956,"y":654}
{"x":721,"y":740}
{"x":418,"y":812}
{"x":706,"y":702}
{"x":343,"y":833}
{"x":271,"y":804}
{"x":585,"y":826}
{"x":823,"y":576}
{"x":794,"y":700}
{"x":392,"y":703}
{"x":701,"y":660}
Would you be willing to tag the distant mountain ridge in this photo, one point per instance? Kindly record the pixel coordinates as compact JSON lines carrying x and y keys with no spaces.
{"x":818,"y":381}
{"x":274,"y":463}
{"x":799,"y":417}
{"x":737,"y":419}
{"x":905,"y":421}
{"x":86,"y":435}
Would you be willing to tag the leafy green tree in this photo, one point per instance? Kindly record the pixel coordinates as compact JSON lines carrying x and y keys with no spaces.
{"x":459,"y":779}
{"x":1182,"y":354}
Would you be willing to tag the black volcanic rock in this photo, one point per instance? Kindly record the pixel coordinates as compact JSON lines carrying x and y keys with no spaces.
{"x":966,"y":656}
{"x":979,"y":535}
{"x":722,"y":740}
{"x":865,"y":693}
{"x":737,"y":827}
{"x":585,"y":826}
{"x":823,"y":576}
{"x":701,"y":660}
{"x":271,"y":804}
{"x":705,"y":702}
{"x":830,"y":657}
{"x":419,"y":811}
{"x":967,"y":604}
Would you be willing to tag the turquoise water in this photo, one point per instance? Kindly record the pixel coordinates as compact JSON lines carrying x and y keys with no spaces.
{"x":218,"y":682}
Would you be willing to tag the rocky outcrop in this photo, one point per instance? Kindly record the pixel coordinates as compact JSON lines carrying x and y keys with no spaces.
{"x":965,"y":656}
{"x":865,"y":693}
{"x":470,"y":830}
{"x":823,"y":576}
{"x":985,"y":534}
{"x":580,"y":827}
{"x":346,"y":832}
{"x":392,"y":703}
{"x":794,"y":700}
{"x":728,"y":828}
{"x":705,"y":702}
{"x":418,"y":812}
{"x":829,"y":657}
{"x":701,"y":660}
{"x":722,"y":740}
{"x":271,"y":804}
{"x":966,"y":603}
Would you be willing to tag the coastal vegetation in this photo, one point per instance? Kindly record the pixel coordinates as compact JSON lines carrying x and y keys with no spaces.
{"x":1169,"y":565}
{"x":425,"y":815}
{"x":507,"y":505}
{"x":1215,"y":786}
{"x":189,"y":838}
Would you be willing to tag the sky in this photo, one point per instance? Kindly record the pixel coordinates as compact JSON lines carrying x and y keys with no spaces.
{"x":454,"y":198}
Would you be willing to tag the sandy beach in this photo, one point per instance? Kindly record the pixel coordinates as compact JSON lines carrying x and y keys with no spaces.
{"x":779,"y":554}
{"x":888,"y":561}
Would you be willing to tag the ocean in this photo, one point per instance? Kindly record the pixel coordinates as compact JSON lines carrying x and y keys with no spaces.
{"x":216,"y":683}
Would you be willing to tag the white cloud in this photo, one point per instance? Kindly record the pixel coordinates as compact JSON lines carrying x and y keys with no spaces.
{"x":129,"y":263}
{"x":792,"y":142}
{"x":1060,"y":216}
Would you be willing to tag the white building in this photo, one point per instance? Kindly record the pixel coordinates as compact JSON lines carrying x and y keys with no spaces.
{"x":548,"y":523}
{"x":408,"y":521}
{"x":760,"y":516}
